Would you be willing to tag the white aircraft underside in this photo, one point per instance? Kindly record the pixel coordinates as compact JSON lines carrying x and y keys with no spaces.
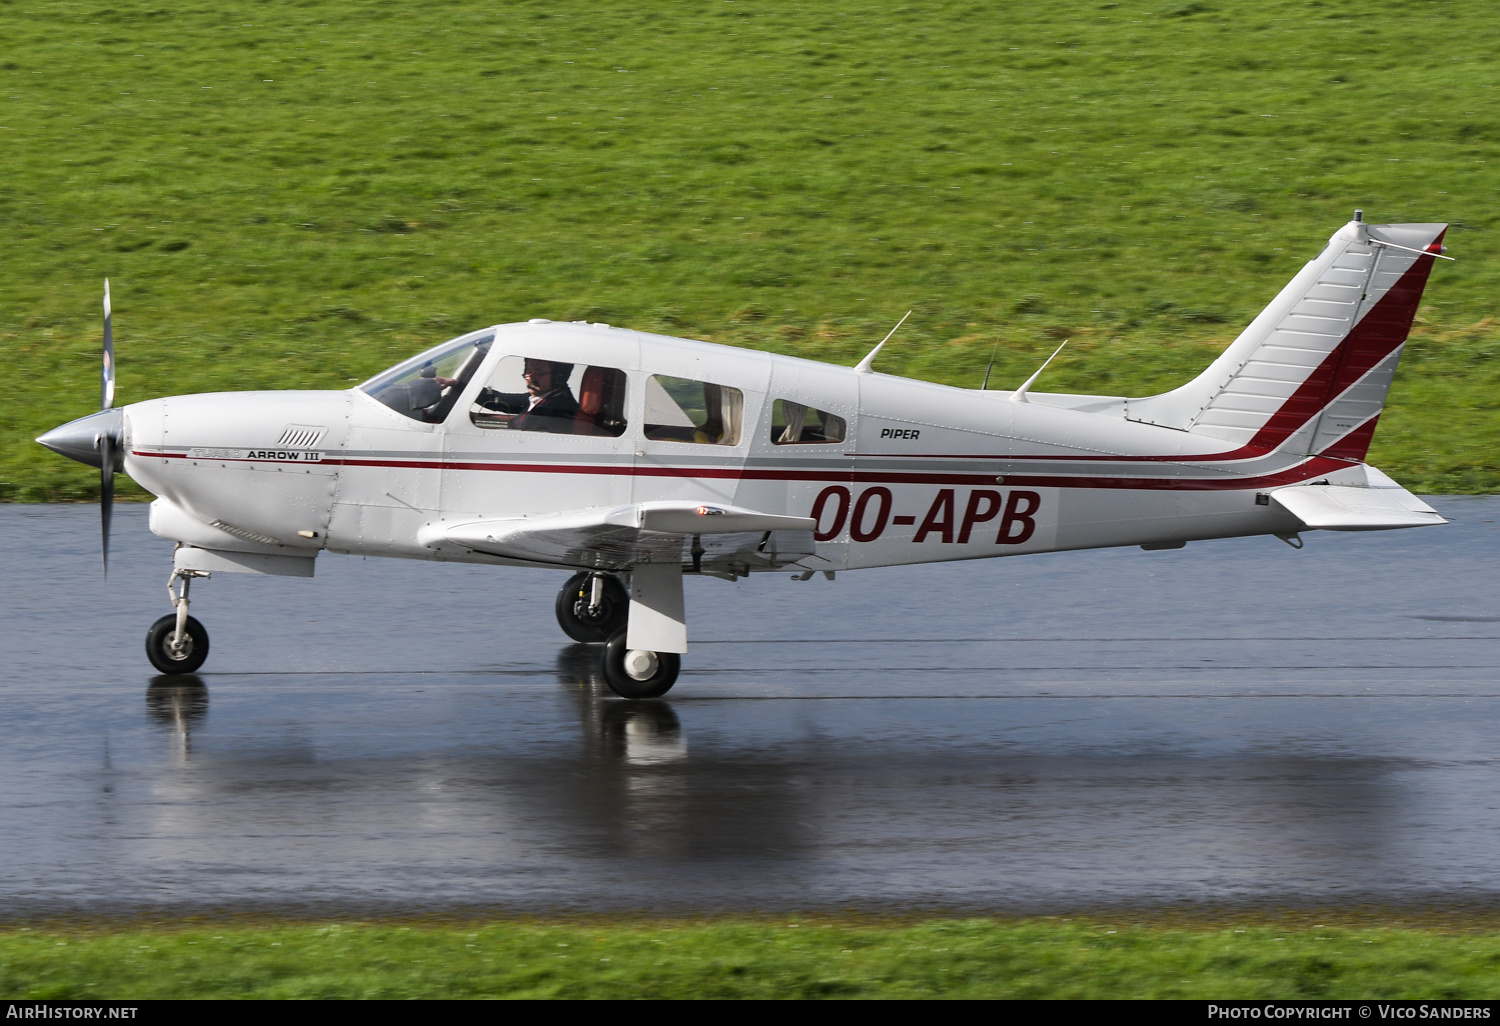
{"x":685,"y":456}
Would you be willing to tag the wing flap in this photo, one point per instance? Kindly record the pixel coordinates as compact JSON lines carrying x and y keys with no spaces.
{"x":688,"y":518}
{"x":713,"y":537}
{"x":1382,"y":507}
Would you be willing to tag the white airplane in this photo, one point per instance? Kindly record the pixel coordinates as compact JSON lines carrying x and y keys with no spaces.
{"x":633,"y":459}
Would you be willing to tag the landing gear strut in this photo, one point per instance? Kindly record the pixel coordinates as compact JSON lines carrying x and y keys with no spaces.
{"x":637,"y":673}
{"x":592,"y":606}
{"x":177,"y":643}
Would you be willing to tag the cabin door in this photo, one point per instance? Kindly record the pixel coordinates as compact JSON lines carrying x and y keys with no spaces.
{"x":802,"y":457}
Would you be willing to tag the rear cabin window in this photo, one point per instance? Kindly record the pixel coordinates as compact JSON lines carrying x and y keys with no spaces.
{"x":795,"y":424}
{"x":684,"y":410}
{"x":533,"y":394}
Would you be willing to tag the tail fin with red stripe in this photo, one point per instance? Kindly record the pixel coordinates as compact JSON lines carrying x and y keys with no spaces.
{"x":1311,"y":373}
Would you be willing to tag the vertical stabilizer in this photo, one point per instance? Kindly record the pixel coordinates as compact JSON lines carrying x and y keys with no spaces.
{"x":1311,"y":373}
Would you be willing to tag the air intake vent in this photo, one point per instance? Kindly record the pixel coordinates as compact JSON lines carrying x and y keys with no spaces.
{"x":300,"y":436}
{"x":240,"y":532}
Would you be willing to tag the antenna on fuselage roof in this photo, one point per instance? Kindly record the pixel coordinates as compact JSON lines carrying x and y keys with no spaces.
{"x":986,"y":383}
{"x":1019,"y":395}
{"x":863,"y":367}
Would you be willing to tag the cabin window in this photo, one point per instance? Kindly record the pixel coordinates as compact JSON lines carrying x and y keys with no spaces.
{"x":533,"y":394}
{"x":426,"y":386}
{"x":684,"y":410}
{"x":795,"y":424}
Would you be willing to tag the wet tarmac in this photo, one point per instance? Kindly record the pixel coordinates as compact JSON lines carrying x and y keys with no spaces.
{"x":1234,"y":723}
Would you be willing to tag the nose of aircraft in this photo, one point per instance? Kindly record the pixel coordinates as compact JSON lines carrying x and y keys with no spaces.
{"x":83,"y":439}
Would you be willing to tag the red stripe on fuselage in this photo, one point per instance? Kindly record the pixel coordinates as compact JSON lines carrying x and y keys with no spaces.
{"x":1310,"y":468}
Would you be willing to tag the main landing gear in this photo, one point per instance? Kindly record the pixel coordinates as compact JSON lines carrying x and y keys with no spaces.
{"x":591,"y":607}
{"x":177,"y":643}
{"x":636,"y":673}
{"x":595,"y":607}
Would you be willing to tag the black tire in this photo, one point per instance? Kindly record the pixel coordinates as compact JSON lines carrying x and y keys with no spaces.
{"x":612,"y":662}
{"x":196,"y":649}
{"x":572,"y":609}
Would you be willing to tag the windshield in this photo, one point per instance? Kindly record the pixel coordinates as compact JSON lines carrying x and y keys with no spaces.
{"x":426,"y":386}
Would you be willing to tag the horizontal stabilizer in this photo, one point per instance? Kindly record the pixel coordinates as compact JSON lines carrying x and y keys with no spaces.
{"x":1382,"y":507}
{"x":726,"y":539}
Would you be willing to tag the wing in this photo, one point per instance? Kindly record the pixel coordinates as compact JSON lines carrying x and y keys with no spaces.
{"x":715,"y":538}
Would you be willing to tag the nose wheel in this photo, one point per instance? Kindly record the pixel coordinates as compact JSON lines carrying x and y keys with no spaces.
{"x":177,"y":643}
{"x":637,"y":673}
{"x":185,"y":655}
{"x":592,"y":606}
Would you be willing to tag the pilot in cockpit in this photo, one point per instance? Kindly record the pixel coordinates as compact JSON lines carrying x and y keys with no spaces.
{"x":546,"y":405}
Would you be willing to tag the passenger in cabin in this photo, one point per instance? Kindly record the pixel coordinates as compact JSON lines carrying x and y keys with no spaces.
{"x":546,"y":405}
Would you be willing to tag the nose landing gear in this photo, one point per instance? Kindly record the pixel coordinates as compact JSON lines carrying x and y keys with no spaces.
{"x":592,"y":606}
{"x":177,"y":643}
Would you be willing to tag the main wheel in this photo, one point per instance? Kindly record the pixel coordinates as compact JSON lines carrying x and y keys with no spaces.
{"x":637,"y":673}
{"x":188,"y":658}
{"x":573,"y":609}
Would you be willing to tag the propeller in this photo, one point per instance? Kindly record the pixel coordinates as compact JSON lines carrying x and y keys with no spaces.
{"x":98,"y":439}
{"x":107,"y":439}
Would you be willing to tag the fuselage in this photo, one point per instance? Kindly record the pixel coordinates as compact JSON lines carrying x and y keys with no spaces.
{"x":893,"y":470}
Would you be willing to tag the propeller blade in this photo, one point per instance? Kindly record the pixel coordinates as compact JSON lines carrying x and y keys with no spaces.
{"x":106,"y":491}
{"x":97,"y":440}
{"x":106,"y":440}
{"x":107,"y":391}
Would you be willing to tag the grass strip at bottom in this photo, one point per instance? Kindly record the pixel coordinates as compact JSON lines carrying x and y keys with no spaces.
{"x":791,"y":957}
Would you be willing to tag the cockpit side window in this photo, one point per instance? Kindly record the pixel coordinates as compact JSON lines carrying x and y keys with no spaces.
{"x":684,"y":410}
{"x":536,"y":394}
{"x":426,"y":386}
{"x":796,"y":424}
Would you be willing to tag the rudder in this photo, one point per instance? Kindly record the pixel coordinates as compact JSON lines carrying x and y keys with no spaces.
{"x":1310,"y":374}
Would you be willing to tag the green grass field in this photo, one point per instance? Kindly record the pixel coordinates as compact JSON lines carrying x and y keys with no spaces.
{"x":296,"y":194}
{"x":798,"y":957}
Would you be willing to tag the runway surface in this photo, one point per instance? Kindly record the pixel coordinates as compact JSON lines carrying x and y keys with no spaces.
{"x":1234,"y":723}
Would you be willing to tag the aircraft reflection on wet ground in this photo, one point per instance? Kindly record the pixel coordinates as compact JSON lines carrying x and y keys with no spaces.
{"x":972,"y":736}
{"x":638,"y":733}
